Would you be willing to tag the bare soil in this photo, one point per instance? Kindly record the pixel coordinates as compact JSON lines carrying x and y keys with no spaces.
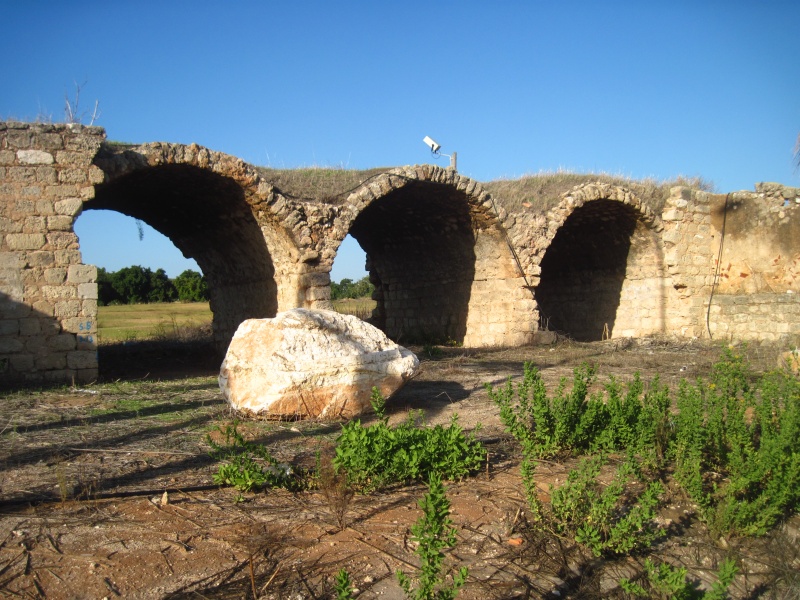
{"x":107,"y":492}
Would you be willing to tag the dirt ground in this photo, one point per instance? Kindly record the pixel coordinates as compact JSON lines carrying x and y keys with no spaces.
{"x":107,"y":492}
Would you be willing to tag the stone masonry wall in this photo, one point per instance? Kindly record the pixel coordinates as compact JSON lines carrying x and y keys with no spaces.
{"x":48,"y":299}
{"x":446,"y":258}
{"x":756,"y":286}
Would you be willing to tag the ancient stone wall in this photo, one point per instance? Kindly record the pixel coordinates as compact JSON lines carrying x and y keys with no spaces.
{"x":439,"y":256}
{"x":755,"y":286}
{"x":449,"y":263}
{"x":48,"y":299}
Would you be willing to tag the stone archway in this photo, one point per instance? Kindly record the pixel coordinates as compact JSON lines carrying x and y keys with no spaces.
{"x":439,"y":259}
{"x":214,"y":211}
{"x":602,"y":274}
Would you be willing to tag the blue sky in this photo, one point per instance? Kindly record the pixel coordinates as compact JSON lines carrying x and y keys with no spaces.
{"x":640,"y":89}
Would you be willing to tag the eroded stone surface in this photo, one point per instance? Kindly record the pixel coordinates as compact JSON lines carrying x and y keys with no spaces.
{"x":311,"y":363}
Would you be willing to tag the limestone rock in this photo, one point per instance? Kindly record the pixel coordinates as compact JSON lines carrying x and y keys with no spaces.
{"x":311,"y":363}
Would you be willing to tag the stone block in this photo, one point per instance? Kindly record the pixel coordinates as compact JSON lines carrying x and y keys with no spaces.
{"x":39,"y":258}
{"x":51,"y":361}
{"x":34,"y":157}
{"x":67,"y":257}
{"x":36,"y":344}
{"x":84,"y":359}
{"x":30,"y":326}
{"x":22,"y":363}
{"x":82,"y":273}
{"x":69,"y":206}
{"x":672,"y":214}
{"x":87,"y":291}
{"x":10,"y":225}
{"x":56,"y":376}
{"x":25,"y":241}
{"x":48,"y":141}
{"x":55,"y":275}
{"x":43,"y":307}
{"x":59,"y":223}
{"x":73,"y":158}
{"x":86,"y":375}
{"x":34,"y":224}
{"x":62,"y":240}
{"x":10,"y":345}
{"x":58,"y":292}
{"x":67,"y":308}
{"x":9,"y":327}
{"x":62,"y":342}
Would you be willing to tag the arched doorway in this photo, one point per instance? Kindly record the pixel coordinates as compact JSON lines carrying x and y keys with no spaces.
{"x":207,"y":218}
{"x":584,"y":268}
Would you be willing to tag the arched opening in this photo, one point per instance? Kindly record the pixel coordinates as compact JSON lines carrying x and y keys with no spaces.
{"x":208,"y":219}
{"x":420,"y":249}
{"x":351,"y":290}
{"x":162,"y":338}
{"x":584,"y":269}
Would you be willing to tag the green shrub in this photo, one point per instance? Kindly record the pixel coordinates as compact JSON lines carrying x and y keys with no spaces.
{"x":737,"y":447}
{"x":668,"y":582}
{"x":636,"y":420}
{"x":605,"y":519}
{"x":433,"y":532}
{"x":248,"y":466}
{"x":379,"y":454}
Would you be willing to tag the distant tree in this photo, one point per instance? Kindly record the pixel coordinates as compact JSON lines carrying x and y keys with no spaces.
{"x":347,"y":288}
{"x":161,"y":288}
{"x":132,"y":284}
{"x":191,"y":286}
{"x":343,"y":289}
{"x":363,"y":288}
{"x":105,"y":290}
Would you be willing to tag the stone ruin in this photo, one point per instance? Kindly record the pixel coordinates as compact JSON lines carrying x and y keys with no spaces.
{"x":449,"y":260}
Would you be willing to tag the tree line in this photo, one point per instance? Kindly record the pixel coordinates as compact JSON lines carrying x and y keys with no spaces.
{"x":347,"y":288}
{"x":140,"y":285}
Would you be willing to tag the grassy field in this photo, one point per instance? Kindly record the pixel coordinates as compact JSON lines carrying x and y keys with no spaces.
{"x":129,"y":322}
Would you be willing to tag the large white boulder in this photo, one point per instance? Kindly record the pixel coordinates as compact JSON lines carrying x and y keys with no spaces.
{"x":311,"y":363}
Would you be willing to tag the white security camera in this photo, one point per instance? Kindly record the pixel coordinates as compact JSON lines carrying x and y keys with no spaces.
{"x":431,"y":144}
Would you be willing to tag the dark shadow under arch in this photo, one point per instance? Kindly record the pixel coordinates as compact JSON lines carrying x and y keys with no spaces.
{"x":583,"y":270}
{"x":420,"y":249}
{"x":208,"y":219}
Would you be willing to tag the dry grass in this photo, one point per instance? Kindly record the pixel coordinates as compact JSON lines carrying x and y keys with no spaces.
{"x":543,"y":190}
{"x":358,"y":307}
{"x":136,"y":322}
{"x":323,"y":184}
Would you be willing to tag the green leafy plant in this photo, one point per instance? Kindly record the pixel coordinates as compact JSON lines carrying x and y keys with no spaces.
{"x":737,"y":447}
{"x":636,"y":419}
{"x":605,"y":519}
{"x":342,"y":585}
{"x":433,"y":532}
{"x":377,"y":455}
{"x":248,"y":466}
{"x":665,"y":581}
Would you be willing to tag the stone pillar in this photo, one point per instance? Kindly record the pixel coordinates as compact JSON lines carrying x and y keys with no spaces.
{"x":48,"y":299}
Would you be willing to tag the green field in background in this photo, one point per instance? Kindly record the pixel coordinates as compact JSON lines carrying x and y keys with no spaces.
{"x":128,"y":322}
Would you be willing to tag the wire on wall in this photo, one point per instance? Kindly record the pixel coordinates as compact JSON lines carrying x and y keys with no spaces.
{"x":717,"y":269}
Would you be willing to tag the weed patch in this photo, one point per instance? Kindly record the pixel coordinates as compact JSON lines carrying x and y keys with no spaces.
{"x":378,"y":455}
{"x":733,"y":445}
